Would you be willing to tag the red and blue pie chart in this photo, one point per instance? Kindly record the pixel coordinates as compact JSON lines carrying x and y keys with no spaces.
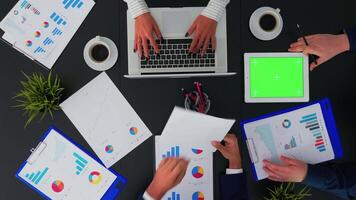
{"x":198,"y":196}
{"x":198,"y":172}
{"x":109,"y":148}
{"x":197,"y":151}
{"x":133,"y":131}
{"x":57,"y":186}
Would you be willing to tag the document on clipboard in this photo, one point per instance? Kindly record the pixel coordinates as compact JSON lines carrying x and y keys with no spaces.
{"x":59,"y":169}
{"x":42,"y":29}
{"x":306,"y":133}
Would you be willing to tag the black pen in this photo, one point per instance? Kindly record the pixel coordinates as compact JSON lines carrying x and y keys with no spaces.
{"x":313,"y":58}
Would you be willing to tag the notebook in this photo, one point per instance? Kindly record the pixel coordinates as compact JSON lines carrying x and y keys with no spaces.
{"x":306,"y":133}
{"x":59,"y":169}
{"x":42,"y":29}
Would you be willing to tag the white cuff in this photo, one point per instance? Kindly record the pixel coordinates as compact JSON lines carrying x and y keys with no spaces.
{"x":137,"y":7}
{"x":215,"y":9}
{"x":234,"y":171}
{"x":147,"y":196}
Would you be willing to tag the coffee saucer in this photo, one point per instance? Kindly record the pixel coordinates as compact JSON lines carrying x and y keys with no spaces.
{"x":258,"y":31}
{"x":109,"y":62}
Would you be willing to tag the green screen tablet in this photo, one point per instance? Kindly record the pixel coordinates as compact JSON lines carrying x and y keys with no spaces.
{"x":276,"y":77}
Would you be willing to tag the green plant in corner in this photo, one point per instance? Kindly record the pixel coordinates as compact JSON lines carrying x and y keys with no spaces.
{"x":286,"y":191}
{"x":39,"y":96}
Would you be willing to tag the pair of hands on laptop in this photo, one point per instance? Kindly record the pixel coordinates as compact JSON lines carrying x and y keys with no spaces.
{"x":147,"y":31}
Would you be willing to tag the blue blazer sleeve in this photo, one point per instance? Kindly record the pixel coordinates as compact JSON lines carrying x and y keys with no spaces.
{"x":339,"y":179}
{"x":233,"y":187}
{"x":351,"y":34}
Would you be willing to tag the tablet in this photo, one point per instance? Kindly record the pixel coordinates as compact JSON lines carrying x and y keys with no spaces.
{"x":276,"y":77}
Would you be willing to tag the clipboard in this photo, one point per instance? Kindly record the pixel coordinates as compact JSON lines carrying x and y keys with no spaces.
{"x":116,"y":187}
{"x":330,"y":124}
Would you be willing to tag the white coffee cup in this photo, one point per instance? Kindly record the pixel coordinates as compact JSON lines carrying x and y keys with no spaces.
{"x":100,"y":53}
{"x":272,"y":17}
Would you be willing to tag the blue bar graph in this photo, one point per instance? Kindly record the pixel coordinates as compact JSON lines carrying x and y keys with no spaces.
{"x":174,"y":152}
{"x":175,"y":196}
{"x":25,"y":5}
{"x":48,"y":41}
{"x":312,"y":124}
{"x":39,"y":50}
{"x":58,"y":19}
{"x":36,"y":177}
{"x":72,"y":4}
{"x":56,"y":32}
{"x":80,"y":163}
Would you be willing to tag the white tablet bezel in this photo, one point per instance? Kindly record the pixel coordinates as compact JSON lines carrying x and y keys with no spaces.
{"x":248,"y":98}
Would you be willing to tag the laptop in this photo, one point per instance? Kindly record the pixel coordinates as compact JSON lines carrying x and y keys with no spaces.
{"x":174,"y":60}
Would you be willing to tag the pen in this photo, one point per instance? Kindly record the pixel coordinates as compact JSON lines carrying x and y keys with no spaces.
{"x":313,"y":58}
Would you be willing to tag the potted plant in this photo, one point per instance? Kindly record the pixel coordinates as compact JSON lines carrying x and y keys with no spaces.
{"x":286,"y":191}
{"x":39,"y":96}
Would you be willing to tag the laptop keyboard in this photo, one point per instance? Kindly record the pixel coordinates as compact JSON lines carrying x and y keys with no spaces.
{"x":174,"y":53}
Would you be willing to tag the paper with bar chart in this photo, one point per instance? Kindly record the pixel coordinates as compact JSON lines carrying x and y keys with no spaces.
{"x":106,"y":119}
{"x":198,"y":181}
{"x":42,"y":29}
{"x":300,"y":134}
{"x":63,"y":171}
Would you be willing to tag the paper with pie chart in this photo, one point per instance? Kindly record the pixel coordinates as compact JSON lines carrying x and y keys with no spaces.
{"x":63,"y":171}
{"x":106,"y":119}
{"x":301,"y":134}
{"x":198,"y":181}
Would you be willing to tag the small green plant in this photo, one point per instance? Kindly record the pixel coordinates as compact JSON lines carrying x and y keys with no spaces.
{"x":39,"y":96}
{"x":285,"y":191}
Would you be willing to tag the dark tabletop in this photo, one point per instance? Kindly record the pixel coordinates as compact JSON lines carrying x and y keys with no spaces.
{"x":154,"y":99}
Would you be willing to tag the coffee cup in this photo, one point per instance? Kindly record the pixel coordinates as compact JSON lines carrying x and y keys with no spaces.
{"x":100,"y":53}
{"x":266,"y":23}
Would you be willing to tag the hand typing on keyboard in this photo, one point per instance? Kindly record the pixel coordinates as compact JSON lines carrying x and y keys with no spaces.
{"x":203,"y":29}
{"x":146,"y":32}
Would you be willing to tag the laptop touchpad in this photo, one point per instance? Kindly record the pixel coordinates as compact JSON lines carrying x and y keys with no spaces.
{"x":176,"y":22}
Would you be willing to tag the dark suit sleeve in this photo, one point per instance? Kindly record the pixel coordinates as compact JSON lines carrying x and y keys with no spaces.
{"x":339,"y":179}
{"x":233,"y":187}
{"x":351,"y":34}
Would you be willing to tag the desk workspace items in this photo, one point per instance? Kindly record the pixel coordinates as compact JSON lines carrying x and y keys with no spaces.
{"x":42,"y":29}
{"x":175,"y":60}
{"x":105,"y":119}
{"x":59,"y":169}
{"x":266,"y":23}
{"x":276,"y":77}
{"x":307,"y":133}
{"x":198,"y":181}
{"x":195,"y":128}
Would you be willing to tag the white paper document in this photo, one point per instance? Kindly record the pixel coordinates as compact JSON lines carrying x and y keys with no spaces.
{"x":42,"y":29}
{"x":105,"y":119}
{"x":195,"y":128}
{"x":63,"y":171}
{"x":300,"y":134}
{"x":197,"y":183}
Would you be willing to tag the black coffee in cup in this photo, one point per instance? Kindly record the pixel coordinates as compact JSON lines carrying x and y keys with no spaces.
{"x":99,"y":53}
{"x":268,"y":22}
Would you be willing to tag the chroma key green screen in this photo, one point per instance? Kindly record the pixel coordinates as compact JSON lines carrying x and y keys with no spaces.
{"x":279,"y":77}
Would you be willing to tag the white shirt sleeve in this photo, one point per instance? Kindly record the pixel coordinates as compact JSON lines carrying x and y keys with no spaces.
{"x":147,"y":196}
{"x":137,"y":7}
{"x":215,"y":9}
{"x":233,"y":171}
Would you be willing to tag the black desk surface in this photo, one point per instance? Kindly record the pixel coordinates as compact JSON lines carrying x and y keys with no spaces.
{"x":154,"y":99}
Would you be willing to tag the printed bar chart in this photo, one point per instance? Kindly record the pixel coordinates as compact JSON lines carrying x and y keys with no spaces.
{"x":48,"y":41}
{"x":56,"y":32}
{"x":39,"y":50}
{"x":58,"y":19}
{"x":37,"y":177}
{"x":311,"y":122}
{"x":25,"y":5}
{"x":291,"y":145}
{"x":175,"y":196}
{"x":72,"y":4}
{"x":174,"y":152}
{"x":81,"y":163}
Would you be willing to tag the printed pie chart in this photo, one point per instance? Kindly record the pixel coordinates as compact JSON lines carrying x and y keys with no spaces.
{"x":95,"y":177}
{"x":109,"y":149}
{"x":57,"y":186}
{"x":197,"y":151}
{"x":198,"y":196}
{"x":133,"y":130}
{"x":198,"y":172}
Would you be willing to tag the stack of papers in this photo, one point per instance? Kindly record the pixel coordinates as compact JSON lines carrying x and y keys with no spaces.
{"x":105,"y":119}
{"x":42,"y":29}
{"x":189,"y":134}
